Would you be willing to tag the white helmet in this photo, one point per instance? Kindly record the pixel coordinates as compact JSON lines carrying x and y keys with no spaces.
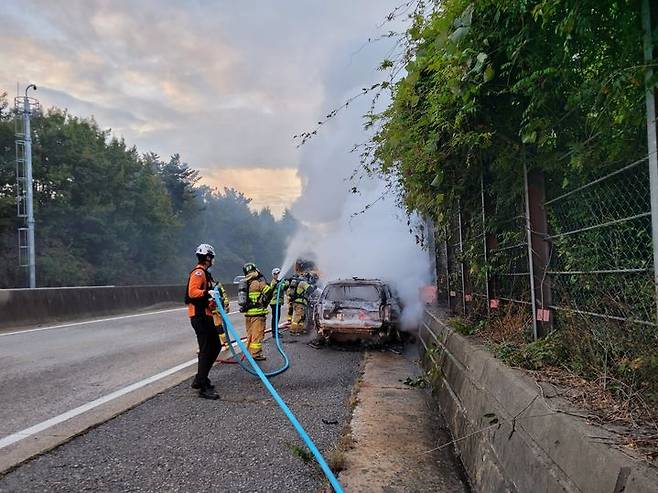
{"x":205,"y":249}
{"x":276,"y":271}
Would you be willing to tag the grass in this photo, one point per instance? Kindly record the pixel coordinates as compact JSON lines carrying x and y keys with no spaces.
{"x":337,"y":455}
{"x":301,"y":453}
{"x":354,"y":397}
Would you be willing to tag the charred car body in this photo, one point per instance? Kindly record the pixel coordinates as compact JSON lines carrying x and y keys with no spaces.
{"x":357,"y":310}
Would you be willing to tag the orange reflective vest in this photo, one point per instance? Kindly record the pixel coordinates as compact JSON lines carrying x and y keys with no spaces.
{"x":198,"y":284}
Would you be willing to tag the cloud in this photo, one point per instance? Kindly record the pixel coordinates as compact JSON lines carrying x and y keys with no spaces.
{"x":273,"y":188}
{"x":123,"y":119}
{"x":216,"y":81}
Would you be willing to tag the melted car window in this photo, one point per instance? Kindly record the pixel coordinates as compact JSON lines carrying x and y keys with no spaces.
{"x":366,"y":292}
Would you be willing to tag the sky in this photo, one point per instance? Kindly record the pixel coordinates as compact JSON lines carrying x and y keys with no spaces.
{"x":224,"y":83}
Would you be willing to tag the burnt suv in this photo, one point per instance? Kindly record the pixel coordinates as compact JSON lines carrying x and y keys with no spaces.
{"x":357,"y":309}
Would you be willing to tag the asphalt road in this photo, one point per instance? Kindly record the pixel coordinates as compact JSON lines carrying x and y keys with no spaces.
{"x":178,"y":442}
{"x":49,"y":371}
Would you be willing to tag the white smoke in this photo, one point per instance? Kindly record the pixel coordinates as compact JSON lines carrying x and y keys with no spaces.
{"x":376,"y":243}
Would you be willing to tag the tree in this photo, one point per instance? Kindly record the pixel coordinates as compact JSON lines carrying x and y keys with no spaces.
{"x":558,"y":82}
{"x":106,"y":214}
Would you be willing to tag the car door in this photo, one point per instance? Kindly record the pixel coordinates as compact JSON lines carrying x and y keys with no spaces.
{"x":391,"y":299}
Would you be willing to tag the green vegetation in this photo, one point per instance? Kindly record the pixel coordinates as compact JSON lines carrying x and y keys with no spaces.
{"x":416,"y":382}
{"x":106,"y":214}
{"x":549,"y":351}
{"x":301,"y":452}
{"x":465,"y":327}
{"x":557,"y":85}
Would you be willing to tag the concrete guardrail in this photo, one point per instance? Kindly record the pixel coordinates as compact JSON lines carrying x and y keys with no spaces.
{"x":509,"y":436}
{"x":22,"y":307}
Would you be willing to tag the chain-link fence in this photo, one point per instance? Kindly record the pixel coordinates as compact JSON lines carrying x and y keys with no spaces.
{"x":552,"y":251}
{"x":601,"y":261}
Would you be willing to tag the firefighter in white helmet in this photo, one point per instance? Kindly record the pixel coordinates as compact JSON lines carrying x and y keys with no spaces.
{"x":200,"y":310}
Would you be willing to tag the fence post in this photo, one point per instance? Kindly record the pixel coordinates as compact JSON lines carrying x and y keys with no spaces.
{"x":533,"y":301}
{"x":538,"y":252}
{"x":461,"y":255}
{"x":484,"y":244}
{"x":448,"y":284}
{"x":651,"y":136}
{"x":432,"y":250}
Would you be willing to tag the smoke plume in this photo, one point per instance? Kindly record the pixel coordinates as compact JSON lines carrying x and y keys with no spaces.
{"x":376,"y":243}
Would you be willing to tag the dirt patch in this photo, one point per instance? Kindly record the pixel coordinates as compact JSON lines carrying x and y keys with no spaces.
{"x":630,"y":420}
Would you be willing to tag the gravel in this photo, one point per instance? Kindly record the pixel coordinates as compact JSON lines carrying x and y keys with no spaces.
{"x":179,"y":442}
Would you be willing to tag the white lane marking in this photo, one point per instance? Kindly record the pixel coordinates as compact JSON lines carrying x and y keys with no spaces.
{"x":63,"y":326}
{"x":49,"y":423}
{"x":44,"y":425}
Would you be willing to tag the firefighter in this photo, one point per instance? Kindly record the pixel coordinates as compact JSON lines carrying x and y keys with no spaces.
{"x":276,"y":302}
{"x":298,"y":294}
{"x":259,"y":294}
{"x":217,"y":318}
{"x":290,"y":287}
{"x":290,"y":293}
{"x":200,"y":310}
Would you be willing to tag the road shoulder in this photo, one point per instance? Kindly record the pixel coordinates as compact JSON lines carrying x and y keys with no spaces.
{"x":393,"y":429}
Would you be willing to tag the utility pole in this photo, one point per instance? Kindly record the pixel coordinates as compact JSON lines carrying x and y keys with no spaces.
{"x":651,"y":136}
{"x":25,"y":186}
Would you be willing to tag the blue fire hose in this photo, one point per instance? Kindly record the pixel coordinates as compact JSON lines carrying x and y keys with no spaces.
{"x":230,"y":331}
{"x":286,"y":362}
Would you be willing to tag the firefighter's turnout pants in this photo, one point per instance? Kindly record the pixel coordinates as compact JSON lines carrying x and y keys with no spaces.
{"x":255,"y":333}
{"x":298,"y":318}
{"x":256,"y":315}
